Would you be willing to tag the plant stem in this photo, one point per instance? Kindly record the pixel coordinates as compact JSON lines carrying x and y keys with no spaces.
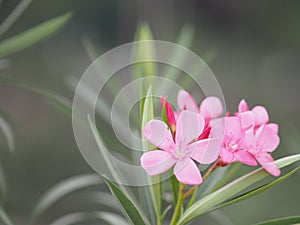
{"x":179,"y":203}
{"x":194,"y":189}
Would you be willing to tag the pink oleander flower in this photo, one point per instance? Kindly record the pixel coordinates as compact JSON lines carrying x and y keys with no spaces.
{"x":210,"y":108}
{"x":179,"y":152}
{"x":255,"y":117}
{"x":261,"y":142}
{"x":234,"y":145}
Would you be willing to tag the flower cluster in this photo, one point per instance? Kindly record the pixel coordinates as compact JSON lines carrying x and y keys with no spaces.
{"x":200,"y":134}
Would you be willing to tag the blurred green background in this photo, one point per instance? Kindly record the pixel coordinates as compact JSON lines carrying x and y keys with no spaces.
{"x":257,"y":57}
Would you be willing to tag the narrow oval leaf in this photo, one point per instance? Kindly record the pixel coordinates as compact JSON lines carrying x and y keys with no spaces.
{"x":130,"y":210}
{"x":3,"y":185}
{"x":185,"y":39}
{"x":229,"y":190}
{"x":4,"y":217}
{"x":8,"y":134}
{"x":79,"y":217}
{"x":256,"y":191}
{"x":14,"y":15}
{"x":63,"y":189}
{"x":33,"y":35}
{"x":282,"y":221}
{"x":148,"y":114}
{"x":59,"y":101}
{"x":144,"y":51}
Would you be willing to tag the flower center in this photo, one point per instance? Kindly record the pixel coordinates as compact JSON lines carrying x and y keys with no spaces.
{"x":232,"y":145}
{"x":179,"y":153}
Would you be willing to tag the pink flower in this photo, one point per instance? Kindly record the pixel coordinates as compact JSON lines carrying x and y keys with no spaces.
{"x":234,"y":146}
{"x":210,"y":108}
{"x":261,"y":142}
{"x":179,"y":152}
{"x":255,"y":117}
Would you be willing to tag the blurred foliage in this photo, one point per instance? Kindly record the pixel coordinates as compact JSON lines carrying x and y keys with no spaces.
{"x":252,"y":47}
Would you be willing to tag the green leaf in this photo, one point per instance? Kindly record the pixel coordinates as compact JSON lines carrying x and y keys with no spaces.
{"x":79,"y":217}
{"x":33,"y":35}
{"x":144,"y":51}
{"x":185,"y":39}
{"x":127,"y":205}
{"x":282,"y":221}
{"x":8,"y":134}
{"x":228,"y":176}
{"x":229,"y":190}
{"x":175,"y":188}
{"x":256,"y":191}
{"x":148,"y":114}
{"x":63,"y":189}
{"x":59,"y":101}
{"x":4,"y":217}
{"x":3,"y":185}
{"x":14,"y":15}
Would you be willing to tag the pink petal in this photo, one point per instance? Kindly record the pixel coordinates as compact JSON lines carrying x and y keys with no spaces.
{"x":159,"y":134}
{"x":268,"y":140}
{"x":187,"y":172}
{"x":245,"y":157}
{"x":189,"y":126}
{"x":157,"y":162}
{"x":226,"y":155}
{"x":261,"y":115}
{"x":268,"y":164}
{"x":250,"y":141}
{"x":232,"y":126}
{"x":205,"y":151}
{"x":273,"y":126}
{"x":186,"y":102}
{"x":247,"y":119}
{"x":211,"y":107}
{"x":243,"y":106}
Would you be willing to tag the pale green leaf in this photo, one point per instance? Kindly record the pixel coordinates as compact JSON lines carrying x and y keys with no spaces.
{"x":229,"y":190}
{"x":4,"y":217}
{"x":62,"y":189}
{"x":148,"y":114}
{"x":144,"y":51}
{"x":282,"y":221}
{"x":3,"y":184}
{"x":79,"y":217}
{"x":8,"y":134}
{"x":14,"y":16}
{"x":185,"y":39}
{"x":130,"y":210}
{"x":59,"y":101}
{"x":255,"y":191}
{"x":33,"y":35}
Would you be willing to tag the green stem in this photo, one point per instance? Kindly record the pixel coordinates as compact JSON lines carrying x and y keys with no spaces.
{"x":194,"y":189}
{"x":179,"y":203}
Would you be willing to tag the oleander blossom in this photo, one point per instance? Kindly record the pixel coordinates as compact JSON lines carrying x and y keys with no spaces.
{"x":248,"y":137}
{"x":181,"y":150}
{"x":210,"y":108}
{"x":234,"y":146}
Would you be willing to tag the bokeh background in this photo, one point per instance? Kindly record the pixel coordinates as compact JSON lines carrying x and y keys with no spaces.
{"x":255,"y":51}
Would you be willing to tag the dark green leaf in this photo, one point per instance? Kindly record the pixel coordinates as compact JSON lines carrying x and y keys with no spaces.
{"x":130,"y":210}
